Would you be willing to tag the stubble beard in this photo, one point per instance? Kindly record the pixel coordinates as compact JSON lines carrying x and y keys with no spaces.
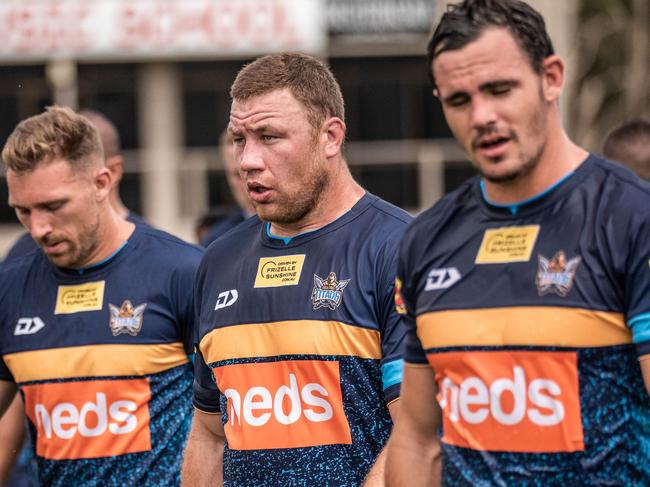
{"x":527,"y":161}
{"x":79,"y":252}
{"x":296,"y":206}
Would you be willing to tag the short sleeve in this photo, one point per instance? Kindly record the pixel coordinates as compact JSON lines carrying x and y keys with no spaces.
{"x":637,"y":283}
{"x":405,"y":291}
{"x":392,"y":328}
{"x":205,"y":394}
{"x":5,"y":373}
{"x":183,"y":290}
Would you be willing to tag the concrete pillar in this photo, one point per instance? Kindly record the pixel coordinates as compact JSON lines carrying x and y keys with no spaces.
{"x":61,"y":74}
{"x":160,"y":123}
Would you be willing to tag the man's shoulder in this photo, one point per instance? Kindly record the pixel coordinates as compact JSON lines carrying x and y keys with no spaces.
{"x":158,"y":241}
{"x":22,"y":246}
{"x":616,"y":174}
{"x":390,"y":212}
{"x":232,"y":240}
{"x":434,"y":217}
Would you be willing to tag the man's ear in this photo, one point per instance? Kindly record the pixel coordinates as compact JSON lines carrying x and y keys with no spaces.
{"x":552,"y":77}
{"x":333,"y":131}
{"x":103,"y":182}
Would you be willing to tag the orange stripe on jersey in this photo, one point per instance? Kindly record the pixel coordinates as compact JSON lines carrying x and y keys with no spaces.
{"x":541,"y":326}
{"x":89,"y":419}
{"x":95,"y":361}
{"x":516,"y":401}
{"x":304,"y":337}
{"x":285,"y":404}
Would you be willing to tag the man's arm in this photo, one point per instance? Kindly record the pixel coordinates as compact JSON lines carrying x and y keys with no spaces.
{"x":12,"y":429}
{"x":645,"y":370}
{"x":375,"y":477}
{"x":413,"y":457}
{"x":203,"y":458}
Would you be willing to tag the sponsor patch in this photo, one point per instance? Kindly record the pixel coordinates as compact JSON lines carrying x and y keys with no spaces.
{"x":89,"y":419}
{"x":82,"y":297}
{"x":126,"y":318}
{"x":328,"y":292}
{"x":283,"y":270}
{"x":400,"y":307}
{"x":507,"y":244}
{"x":556,"y":275}
{"x":285,"y":404}
{"x":515,"y":401}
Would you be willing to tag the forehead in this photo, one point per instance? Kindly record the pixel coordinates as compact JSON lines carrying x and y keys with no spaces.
{"x":48,"y":181}
{"x":494,"y":55}
{"x":274,"y":107}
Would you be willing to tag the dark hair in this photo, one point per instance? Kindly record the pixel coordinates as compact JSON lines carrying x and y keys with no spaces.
{"x":310,"y":81}
{"x":58,"y":132}
{"x":629,"y":144}
{"x":464,"y":22}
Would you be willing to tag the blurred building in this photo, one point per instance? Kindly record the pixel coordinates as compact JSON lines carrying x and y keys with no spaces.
{"x":161,"y":70}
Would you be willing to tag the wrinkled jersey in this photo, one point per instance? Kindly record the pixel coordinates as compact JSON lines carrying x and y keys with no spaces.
{"x":533,"y":318}
{"x":100,"y":358}
{"x":300,"y":347}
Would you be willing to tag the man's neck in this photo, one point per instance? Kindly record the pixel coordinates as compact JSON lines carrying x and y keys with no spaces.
{"x":559,"y":158}
{"x":340,"y":196}
{"x":113,"y":232}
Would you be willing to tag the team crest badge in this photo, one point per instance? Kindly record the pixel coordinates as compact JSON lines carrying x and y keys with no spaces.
{"x":556,"y":275}
{"x":126,"y":318}
{"x":400,"y":307}
{"x":328,"y":293}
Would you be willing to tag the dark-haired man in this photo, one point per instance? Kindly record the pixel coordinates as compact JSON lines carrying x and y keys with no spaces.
{"x":299,"y":356}
{"x":526,"y":292}
{"x":95,"y":329}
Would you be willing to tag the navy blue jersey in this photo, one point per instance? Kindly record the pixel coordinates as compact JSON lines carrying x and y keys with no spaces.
{"x":25,"y":243}
{"x":534,"y":318}
{"x":100,"y":356}
{"x":303,"y":342}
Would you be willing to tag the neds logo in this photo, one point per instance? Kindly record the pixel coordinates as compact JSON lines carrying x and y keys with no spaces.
{"x":89,"y":419}
{"x":66,"y":420}
{"x":287,"y":404}
{"x":522,"y":401}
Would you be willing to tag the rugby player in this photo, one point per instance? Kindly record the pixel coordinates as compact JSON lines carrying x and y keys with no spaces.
{"x":629,"y":144}
{"x":298,"y":366}
{"x":95,"y":330}
{"x":526,"y":292}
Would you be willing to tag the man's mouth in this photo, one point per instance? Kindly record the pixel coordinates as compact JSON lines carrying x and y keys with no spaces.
{"x":492,"y":146}
{"x":258,"y":192}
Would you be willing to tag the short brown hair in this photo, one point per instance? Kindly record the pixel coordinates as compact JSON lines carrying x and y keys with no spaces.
{"x":629,"y":144}
{"x":56,"y":133}
{"x":308,"y":79}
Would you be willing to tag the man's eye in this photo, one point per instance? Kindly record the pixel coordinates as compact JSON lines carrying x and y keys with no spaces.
{"x":501,"y":90}
{"x":268,"y":138}
{"x":458,"y":101}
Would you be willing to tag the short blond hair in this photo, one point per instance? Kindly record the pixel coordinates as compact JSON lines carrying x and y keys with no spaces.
{"x":57,"y":133}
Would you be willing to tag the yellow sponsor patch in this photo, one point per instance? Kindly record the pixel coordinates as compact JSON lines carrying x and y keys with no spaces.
{"x":83,"y":297}
{"x":507,"y":244}
{"x":283,"y":270}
